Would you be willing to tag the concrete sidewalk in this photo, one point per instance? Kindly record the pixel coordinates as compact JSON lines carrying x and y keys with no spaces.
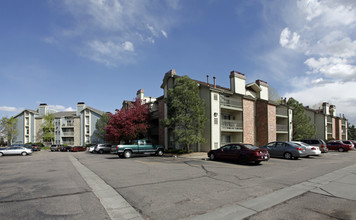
{"x":339,"y":184}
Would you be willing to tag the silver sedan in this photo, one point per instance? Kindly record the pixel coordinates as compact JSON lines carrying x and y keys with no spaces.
{"x":310,"y":150}
{"x":15,"y":150}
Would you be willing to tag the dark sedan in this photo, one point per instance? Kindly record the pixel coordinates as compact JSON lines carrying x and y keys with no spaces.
{"x":243,"y":153}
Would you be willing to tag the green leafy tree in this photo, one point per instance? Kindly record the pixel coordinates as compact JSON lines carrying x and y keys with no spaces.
{"x":99,"y":132}
{"x":351,"y":132}
{"x":302,"y":126}
{"x":186,"y":112}
{"x":48,"y":128}
{"x":8,"y":128}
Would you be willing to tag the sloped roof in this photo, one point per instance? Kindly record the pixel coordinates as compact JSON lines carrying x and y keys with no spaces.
{"x":94,"y":110}
{"x":65,"y":114}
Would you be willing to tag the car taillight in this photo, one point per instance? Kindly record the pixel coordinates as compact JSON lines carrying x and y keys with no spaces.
{"x":117,"y":147}
{"x":299,"y":148}
{"x":313,"y":148}
{"x":322,"y":146}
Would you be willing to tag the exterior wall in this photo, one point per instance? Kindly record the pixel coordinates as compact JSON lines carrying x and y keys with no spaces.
{"x":334,"y":128}
{"x":272,"y":135}
{"x":214,"y":121}
{"x":261,"y":123}
{"x":249,"y":129}
{"x":320,"y":126}
{"x":160,"y":126}
{"x":77,"y":131}
{"x":290,"y":124}
{"x":20,"y":138}
{"x":38,"y":130}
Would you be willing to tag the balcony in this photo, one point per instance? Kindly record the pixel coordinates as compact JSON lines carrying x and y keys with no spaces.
{"x":68,"y":125}
{"x":68,"y":134}
{"x":330,"y":131}
{"x":329,"y":121}
{"x":283,"y":128}
{"x":282,"y":112}
{"x":231,"y":125}
{"x":230,"y":102}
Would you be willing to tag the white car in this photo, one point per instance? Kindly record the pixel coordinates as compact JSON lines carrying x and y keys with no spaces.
{"x":15,"y":150}
{"x":310,"y":150}
{"x":91,"y":149}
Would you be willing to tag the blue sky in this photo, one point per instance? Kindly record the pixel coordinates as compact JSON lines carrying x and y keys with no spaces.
{"x":102,"y":51}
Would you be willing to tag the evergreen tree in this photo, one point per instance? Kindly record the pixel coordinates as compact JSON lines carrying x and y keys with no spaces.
{"x":302,"y":126}
{"x":186,"y":112}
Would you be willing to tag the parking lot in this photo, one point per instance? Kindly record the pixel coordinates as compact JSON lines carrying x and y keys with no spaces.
{"x":47,"y":185}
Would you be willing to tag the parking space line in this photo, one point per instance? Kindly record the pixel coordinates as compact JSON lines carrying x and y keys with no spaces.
{"x":115,"y":205}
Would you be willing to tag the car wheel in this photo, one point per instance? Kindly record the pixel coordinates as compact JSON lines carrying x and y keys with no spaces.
{"x":212,"y":156}
{"x":101,"y":151}
{"x":159,"y":152}
{"x":52,"y":150}
{"x":287,"y":155}
{"x":257,"y":162}
{"x":341,"y":149}
{"x":1,"y":154}
{"x":23,"y":153}
{"x":127,"y":153}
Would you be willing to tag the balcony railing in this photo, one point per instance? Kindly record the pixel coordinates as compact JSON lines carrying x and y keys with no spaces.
{"x":68,"y":133}
{"x":230,"y":102}
{"x":282,"y":111}
{"x":231,"y":125}
{"x":330,"y":131}
{"x":282,"y":127}
{"x":329,"y":120}
{"x":68,"y":125}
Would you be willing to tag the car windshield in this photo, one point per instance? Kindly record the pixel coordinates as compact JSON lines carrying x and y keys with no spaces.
{"x":250,"y":146}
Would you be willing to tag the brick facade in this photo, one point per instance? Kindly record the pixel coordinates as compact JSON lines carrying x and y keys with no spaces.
{"x":272,"y":125}
{"x":249,"y":121}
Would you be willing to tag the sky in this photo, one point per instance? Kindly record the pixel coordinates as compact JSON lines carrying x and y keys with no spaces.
{"x":102,"y":52}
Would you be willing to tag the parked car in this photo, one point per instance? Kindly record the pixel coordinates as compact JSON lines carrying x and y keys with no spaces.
{"x":91,"y":149}
{"x":55,"y":147}
{"x":77,"y":148}
{"x":317,"y":143}
{"x":341,"y":147}
{"x":15,"y":150}
{"x":142,"y":146}
{"x":310,"y":150}
{"x":350,"y":143}
{"x":35,"y":147}
{"x":285,"y":149}
{"x":242,"y":153}
{"x":102,"y":148}
{"x":64,"y":148}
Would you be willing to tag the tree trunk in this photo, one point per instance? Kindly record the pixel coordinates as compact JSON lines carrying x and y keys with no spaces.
{"x":188,"y":148}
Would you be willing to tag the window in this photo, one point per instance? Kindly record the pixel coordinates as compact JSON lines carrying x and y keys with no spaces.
{"x":215,"y":97}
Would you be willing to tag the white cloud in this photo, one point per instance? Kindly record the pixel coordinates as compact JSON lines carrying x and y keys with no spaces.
{"x":9,"y":109}
{"x":108,"y":52}
{"x":60,"y":108}
{"x":289,"y":40}
{"x":333,"y":93}
{"x":113,"y":27}
{"x":164,"y":33}
{"x":311,"y":8}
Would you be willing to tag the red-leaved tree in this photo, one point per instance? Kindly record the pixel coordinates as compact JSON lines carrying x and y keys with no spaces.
{"x":131,"y":122}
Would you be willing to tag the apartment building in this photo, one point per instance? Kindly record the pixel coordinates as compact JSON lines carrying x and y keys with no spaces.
{"x":328,"y":125}
{"x":70,"y":127}
{"x":241,"y":113}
